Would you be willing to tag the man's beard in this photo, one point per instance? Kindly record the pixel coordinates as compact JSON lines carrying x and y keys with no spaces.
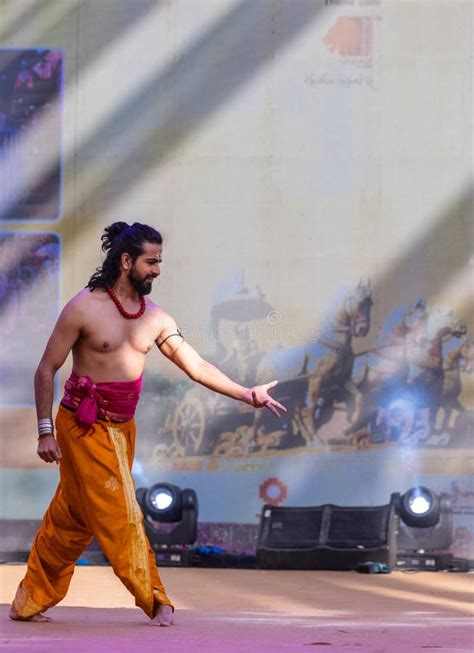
{"x":141,"y":285}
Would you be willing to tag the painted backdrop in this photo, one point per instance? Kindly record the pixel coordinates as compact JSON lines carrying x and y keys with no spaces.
{"x":309,"y":164}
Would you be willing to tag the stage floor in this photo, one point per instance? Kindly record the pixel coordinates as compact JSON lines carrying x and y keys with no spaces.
{"x":232,"y":610}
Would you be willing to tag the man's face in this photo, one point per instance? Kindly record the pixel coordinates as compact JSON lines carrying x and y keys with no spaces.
{"x":146,"y":268}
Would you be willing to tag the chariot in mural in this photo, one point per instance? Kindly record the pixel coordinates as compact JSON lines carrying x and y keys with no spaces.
{"x":405,"y":389}
{"x":201,"y":415}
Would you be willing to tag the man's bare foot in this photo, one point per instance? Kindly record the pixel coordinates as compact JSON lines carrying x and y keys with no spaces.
{"x":37,"y":618}
{"x":164,"y":616}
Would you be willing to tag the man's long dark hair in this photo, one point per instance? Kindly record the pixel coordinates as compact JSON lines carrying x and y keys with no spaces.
{"x":117,"y":239}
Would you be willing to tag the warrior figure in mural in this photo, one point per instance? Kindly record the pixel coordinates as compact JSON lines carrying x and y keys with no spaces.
{"x":243,"y":357}
{"x":334,"y":369}
{"x":109,"y":327}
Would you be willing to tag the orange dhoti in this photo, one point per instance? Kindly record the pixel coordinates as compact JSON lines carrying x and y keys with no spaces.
{"x":95,"y":498}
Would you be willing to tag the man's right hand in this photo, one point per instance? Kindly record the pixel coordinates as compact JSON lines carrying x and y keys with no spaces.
{"x":48,"y":449}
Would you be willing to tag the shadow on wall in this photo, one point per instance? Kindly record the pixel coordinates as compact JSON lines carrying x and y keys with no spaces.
{"x":178,"y":99}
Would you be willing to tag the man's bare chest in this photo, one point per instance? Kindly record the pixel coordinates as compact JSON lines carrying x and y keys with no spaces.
{"x":114,"y":335}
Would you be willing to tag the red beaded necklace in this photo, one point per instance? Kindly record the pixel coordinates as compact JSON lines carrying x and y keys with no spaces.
{"x":122,"y":311}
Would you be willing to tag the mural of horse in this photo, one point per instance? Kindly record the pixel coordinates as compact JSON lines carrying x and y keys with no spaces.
{"x":401,"y":400}
{"x":387,"y":367}
{"x":332,"y":376}
{"x":459,"y":361}
{"x":389,"y":364}
{"x":425,"y":356}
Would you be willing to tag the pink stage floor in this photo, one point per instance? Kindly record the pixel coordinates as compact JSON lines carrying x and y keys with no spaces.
{"x":256,"y":612}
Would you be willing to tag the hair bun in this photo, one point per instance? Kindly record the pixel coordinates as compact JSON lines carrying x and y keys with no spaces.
{"x":110,"y":234}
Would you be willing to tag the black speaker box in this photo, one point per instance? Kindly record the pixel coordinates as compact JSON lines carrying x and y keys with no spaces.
{"x":326,"y":537}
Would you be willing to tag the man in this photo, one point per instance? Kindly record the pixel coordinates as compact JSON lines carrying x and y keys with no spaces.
{"x":110,"y":327}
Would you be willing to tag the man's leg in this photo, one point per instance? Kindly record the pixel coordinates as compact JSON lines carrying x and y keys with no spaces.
{"x":60,"y":540}
{"x":139,"y":572}
{"x":103,"y":461}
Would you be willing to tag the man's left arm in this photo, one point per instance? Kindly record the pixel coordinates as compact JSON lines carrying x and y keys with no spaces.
{"x":172,"y":345}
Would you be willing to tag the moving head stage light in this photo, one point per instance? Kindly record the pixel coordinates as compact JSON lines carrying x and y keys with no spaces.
{"x":164,"y":503}
{"x":424,"y":529}
{"x":419,"y":507}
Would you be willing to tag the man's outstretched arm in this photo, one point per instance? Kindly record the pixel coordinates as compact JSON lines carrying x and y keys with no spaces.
{"x":173,"y":346}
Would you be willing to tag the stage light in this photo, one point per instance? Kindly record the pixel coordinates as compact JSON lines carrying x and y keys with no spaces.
{"x":162,"y":500}
{"x":164,"y":503}
{"x":425,"y":524}
{"x":419,"y":507}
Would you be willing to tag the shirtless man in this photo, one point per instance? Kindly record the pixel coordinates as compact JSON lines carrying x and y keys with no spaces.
{"x":110,"y":326}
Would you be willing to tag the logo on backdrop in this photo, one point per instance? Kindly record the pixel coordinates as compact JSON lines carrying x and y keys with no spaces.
{"x":351,"y":36}
{"x":273,"y":491}
{"x":348,"y":54}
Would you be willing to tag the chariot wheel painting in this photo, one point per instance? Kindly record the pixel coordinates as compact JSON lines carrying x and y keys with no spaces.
{"x":188,"y":426}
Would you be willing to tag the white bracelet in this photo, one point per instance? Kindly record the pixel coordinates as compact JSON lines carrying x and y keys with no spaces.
{"x":46,"y":435}
{"x":45,"y":426}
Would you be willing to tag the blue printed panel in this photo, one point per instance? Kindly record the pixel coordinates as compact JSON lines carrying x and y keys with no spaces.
{"x":31,"y":97}
{"x":29,"y":305}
